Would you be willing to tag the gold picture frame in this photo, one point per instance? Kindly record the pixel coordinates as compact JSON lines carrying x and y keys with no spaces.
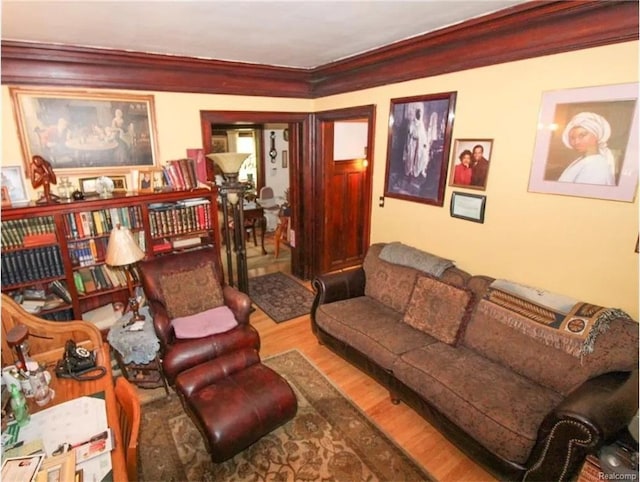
{"x":85,"y":132}
{"x":58,"y":467}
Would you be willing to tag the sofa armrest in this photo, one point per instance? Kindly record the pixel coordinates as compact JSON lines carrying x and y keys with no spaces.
{"x":238,"y":302}
{"x":589,"y":417}
{"x":338,"y":286}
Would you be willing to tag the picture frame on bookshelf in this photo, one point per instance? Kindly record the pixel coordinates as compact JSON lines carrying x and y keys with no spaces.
{"x":157,"y":180}
{"x":84,"y":132}
{"x":13,"y":181}
{"x":145,"y":180}
{"x":119,"y":183}
{"x":88,"y":186}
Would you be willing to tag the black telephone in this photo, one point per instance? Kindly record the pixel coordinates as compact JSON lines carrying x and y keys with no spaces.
{"x":77,"y":362}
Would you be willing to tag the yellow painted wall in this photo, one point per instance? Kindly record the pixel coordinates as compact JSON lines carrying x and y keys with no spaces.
{"x":578,"y":247}
{"x":575,"y":246}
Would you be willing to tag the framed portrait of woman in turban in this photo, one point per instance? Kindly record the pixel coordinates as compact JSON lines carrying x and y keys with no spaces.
{"x":587,"y":143}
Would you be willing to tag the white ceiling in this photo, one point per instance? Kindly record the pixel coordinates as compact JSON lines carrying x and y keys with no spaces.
{"x":303,"y":34}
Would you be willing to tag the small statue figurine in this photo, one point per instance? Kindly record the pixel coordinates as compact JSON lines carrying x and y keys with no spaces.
{"x":42,"y":175}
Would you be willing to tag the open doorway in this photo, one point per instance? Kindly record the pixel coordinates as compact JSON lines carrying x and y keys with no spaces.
{"x":281,"y":161}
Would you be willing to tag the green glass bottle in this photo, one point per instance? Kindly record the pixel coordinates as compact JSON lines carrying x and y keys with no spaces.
{"x":19,"y":407}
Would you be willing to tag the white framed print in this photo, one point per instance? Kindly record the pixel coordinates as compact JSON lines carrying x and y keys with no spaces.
{"x":587,"y":143}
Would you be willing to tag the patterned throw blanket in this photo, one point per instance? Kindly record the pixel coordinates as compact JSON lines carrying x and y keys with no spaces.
{"x":556,"y":320}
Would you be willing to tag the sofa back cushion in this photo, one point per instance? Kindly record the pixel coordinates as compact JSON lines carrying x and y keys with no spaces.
{"x":388,"y":283}
{"x":438,"y":308}
{"x":392,"y":284}
{"x":489,"y":334}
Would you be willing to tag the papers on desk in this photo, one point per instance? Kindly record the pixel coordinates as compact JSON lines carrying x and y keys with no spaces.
{"x":81,"y":423}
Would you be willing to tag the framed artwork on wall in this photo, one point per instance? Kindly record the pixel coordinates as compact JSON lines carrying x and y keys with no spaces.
{"x":470,"y":160}
{"x":13,"y":184}
{"x":468,"y":206}
{"x":418,"y":148}
{"x":587,"y":143}
{"x":85,"y":132}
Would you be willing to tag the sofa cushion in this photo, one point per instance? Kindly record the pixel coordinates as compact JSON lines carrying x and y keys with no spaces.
{"x":371,"y":328}
{"x":438,"y":309}
{"x":209,"y":322}
{"x":191,"y":291}
{"x":615,"y":350}
{"x":388,"y":283}
{"x":499,"y":408}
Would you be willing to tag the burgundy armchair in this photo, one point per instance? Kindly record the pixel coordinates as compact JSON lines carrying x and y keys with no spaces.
{"x":186,"y":283}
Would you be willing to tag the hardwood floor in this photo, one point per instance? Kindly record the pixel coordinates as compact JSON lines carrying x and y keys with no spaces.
{"x":439,"y":457}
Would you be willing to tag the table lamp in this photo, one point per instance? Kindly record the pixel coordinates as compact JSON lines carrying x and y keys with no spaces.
{"x":123,"y":251}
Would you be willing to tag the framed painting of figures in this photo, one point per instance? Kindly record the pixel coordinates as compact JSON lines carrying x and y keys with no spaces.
{"x":418,"y":148}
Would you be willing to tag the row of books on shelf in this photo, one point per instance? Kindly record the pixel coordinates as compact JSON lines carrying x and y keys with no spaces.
{"x":91,"y":251}
{"x":83,"y":224}
{"x":100,"y":277}
{"x":31,"y":264}
{"x":166,"y":219}
{"x":184,"y":174}
{"x":17,"y":233}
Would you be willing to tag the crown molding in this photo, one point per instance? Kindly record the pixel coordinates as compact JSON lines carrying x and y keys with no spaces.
{"x":527,"y":30}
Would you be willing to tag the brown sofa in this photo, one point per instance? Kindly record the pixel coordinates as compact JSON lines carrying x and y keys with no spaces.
{"x":524,"y":406}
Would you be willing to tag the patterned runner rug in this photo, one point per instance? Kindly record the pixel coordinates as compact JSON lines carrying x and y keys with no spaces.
{"x":328,"y":439}
{"x":280,"y":296}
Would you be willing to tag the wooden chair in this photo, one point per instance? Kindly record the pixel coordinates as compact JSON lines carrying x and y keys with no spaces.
{"x":281,"y":234}
{"x":47,"y":338}
{"x":129,"y":416}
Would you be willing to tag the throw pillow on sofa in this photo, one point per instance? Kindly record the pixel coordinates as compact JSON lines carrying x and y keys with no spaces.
{"x":438,"y":309}
{"x":190,"y":292}
{"x":210,"y":322}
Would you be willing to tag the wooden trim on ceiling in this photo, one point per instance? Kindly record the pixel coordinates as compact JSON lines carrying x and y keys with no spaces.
{"x":527,"y":30}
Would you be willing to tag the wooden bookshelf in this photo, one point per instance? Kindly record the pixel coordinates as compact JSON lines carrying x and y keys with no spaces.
{"x":66,"y":243}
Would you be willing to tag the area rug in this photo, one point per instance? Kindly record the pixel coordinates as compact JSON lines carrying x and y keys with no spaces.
{"x":329,"y":439}
{"x":280,"y":296}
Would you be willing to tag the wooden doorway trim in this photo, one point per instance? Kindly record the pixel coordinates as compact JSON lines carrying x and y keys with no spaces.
{"x":301,"y":175}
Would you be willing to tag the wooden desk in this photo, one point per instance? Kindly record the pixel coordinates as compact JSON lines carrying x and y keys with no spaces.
{"x":68,"y":389}
{"x":47,"y":340}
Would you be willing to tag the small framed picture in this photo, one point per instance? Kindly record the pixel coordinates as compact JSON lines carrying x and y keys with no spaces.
{"x":285,"y":159}
{"x":88,"y":185}
{"x":13,"y":181}
{"x":22,"y":468}
{"x":468,"y":206}
{"x":119,"y":183}
{"x":157,"y":180}
{"x":470,"y":163}
{"x":145,"y":183}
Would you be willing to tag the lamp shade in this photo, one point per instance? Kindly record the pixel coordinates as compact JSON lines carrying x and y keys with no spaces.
{"x":229,"y":162}
{"x":122,"y":249}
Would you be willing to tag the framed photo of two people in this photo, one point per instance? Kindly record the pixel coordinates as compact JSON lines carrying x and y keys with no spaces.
{"x":418,"y":147}
{"x":470,"y":163}
{"x":587,"y":143}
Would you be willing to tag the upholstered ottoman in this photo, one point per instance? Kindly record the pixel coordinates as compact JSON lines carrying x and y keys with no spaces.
{"x":235,"y":400}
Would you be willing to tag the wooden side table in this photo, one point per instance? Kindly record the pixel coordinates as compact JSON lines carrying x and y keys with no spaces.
{"x":137,"y":352}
